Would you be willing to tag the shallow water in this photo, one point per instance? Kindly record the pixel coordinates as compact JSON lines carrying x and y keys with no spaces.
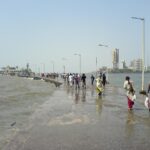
{"x":68,"y":118}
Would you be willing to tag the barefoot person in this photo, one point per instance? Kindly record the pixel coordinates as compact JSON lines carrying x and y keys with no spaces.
{"x":130,"y":92}
{"x":131,"y":97}
{"x":99,"y":86}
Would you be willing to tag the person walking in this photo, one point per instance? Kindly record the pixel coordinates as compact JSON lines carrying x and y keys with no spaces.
{"x":70,"y":80}
{"x":127,"y":83}
{"x":92,"y":79}
{"x":131,"y":98}
{"x":130,"y":92}
{"x":99,"y":86}
{"x":83,"y":79}
{"x":77,"y":80}
{"x":147,"y":101}
{"x":104,"y":79}
{"x":148,"y":89}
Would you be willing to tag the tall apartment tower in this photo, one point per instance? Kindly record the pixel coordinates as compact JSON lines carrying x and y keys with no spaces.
{"x":115,"y":58}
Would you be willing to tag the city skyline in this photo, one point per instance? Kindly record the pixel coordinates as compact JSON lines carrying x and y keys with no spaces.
{"x":42,"y":32}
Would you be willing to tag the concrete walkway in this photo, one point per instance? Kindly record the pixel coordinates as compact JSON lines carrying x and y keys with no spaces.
{"x":80,"y":120}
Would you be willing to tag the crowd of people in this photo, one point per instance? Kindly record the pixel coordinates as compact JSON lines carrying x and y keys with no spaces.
{"x":74,"y":79}
{"x":77,"y":81}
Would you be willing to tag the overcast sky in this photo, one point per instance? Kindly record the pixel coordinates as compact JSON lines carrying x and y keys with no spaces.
{"x":47,"y":32}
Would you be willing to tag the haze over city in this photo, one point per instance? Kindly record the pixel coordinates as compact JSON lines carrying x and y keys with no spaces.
{"x":48,"y":33}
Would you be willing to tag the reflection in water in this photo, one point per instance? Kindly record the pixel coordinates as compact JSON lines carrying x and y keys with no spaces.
{"x":92,"y":90}
{"x":77,"y":97}
{"x":99,"y":104}
{"x":70,"y":90}
{"x":130,"y":122}
{"x":83,"y":98}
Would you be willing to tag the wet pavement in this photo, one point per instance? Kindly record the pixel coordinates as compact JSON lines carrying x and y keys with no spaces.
{"x":80,"y":120}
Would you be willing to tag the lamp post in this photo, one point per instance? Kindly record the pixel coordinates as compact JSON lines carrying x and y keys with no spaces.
{"x":96,"y":67}
{"x":96,"y":59}
{"x":143,"y":50}
{"x":80,"y":61}
{"x":53,"y":65}
{"x":43,"y":67}
{"x":64,"y":65}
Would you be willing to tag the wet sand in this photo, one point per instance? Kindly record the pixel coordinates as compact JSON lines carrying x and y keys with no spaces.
{"x":80,"y":120}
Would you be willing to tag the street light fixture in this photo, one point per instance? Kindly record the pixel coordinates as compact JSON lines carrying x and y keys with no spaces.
{"x":102,"y":45}
{"x":43,"y":67}
{"x":143,"y":50}
{"x":96,"y":57}
{"x":80,"y":61}
{"x":64,"y":65}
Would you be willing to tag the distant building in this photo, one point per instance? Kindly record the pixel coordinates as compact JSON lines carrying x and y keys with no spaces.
{"x":9,"y":70}
{"x":148,"y":68}
{"x":115,"y":58}
{"x":136,"y":65}
{"x":15,"y":71}
{"x":124,"y":66}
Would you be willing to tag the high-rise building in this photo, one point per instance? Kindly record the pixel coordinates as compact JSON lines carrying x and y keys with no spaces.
{"x":124,"y":66}
{"x":136,"y":65}
{"x":115,"y":58}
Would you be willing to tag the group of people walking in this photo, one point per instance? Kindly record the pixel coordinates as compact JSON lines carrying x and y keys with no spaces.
{"x":131,"y":96}
{"x":75,"y":79}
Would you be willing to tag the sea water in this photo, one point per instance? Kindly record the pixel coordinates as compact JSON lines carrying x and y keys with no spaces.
{"x":117,"y":79}
{"x":19,"y":98}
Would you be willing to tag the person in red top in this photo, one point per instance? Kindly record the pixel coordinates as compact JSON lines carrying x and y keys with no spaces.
{"x":131,"y":97}
{"x":130,"y":92}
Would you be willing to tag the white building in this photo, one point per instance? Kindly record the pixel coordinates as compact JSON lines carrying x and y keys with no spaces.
{"x":136,"y":65}
{"x":115,"y":58}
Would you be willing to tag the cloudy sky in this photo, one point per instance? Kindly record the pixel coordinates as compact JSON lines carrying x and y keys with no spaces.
{"x":44,"y":33}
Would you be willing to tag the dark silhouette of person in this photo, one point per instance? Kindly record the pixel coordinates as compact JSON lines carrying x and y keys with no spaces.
{"x":104,"y":79}
{"x":148,"y":90}
{"x":77,"y":80}
{"x":92,"y":79}
{"x":83,"y":78}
